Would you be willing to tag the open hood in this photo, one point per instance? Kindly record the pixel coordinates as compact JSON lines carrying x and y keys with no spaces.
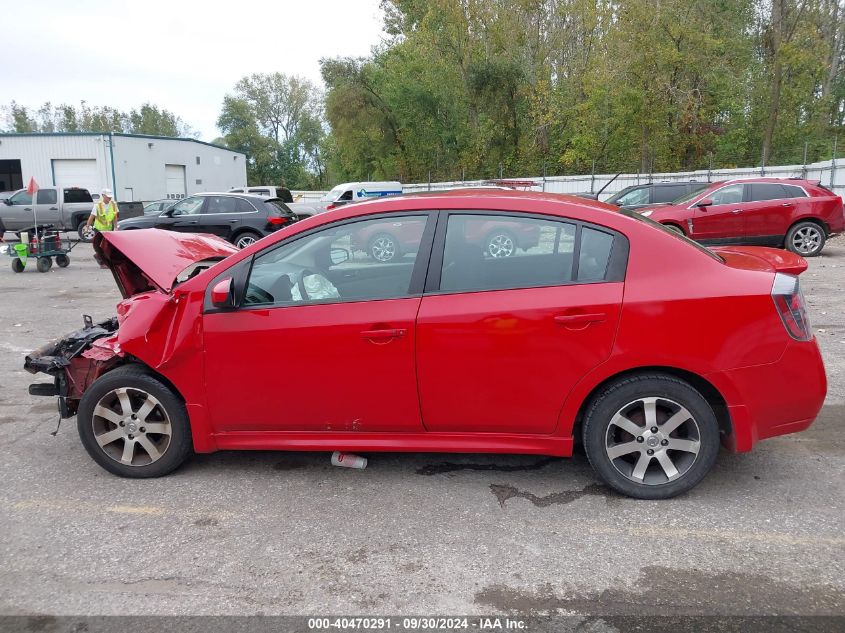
{"x":151,"y":259}
{"x":762,"y":258}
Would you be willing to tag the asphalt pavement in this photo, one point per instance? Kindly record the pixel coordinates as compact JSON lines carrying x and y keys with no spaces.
{"x":287,"y":533}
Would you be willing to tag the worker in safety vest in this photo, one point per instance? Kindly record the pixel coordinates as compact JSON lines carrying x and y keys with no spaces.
{"x":104,"y":214}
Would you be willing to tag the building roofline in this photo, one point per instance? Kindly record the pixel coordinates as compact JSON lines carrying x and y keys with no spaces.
{"x":163,"y":138}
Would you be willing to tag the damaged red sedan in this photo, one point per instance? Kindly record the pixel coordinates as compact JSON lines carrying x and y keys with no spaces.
{"x":606,"y":328}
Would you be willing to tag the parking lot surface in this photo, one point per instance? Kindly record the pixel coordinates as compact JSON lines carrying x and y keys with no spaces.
{"x":287,"y":533}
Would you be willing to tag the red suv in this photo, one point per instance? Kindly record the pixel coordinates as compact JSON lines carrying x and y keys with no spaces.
{"x":787,"y":213}
{"x":611,"y":330}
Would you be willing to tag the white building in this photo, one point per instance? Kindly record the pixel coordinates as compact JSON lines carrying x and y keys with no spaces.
{"x":135,"y":167}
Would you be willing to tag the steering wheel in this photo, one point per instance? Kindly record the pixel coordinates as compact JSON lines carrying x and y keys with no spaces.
{"x":300,"y":282}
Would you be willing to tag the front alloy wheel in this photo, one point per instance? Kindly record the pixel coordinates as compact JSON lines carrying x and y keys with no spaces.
{"x":133,"y":425}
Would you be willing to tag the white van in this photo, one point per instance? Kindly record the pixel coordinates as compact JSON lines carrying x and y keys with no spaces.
{"x":359,"y":191}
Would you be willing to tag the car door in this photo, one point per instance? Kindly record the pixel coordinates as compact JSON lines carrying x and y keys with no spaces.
{"x":221,"y":215}
{"x":314,"y":348}
{"x":47,"y":207}
{"x":185,"y":216}
{"x":769,"y":211}
{"x":18,"y":214}
{"x":501,"y":341}
{"x":722,"y":220}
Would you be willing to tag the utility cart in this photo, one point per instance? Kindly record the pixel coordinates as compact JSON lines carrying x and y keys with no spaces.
{"x":41,"y":243}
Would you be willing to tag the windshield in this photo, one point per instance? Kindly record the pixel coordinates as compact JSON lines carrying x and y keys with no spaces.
{"x":334,"y":194}
{"x":641,"y":218}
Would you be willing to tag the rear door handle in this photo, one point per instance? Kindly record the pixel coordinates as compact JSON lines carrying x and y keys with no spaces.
{"x":382,"y":335}
{"x":788,"y":204}
{"x":736,"y":211}
{"x":54,"y":208}
{"x":574,"y":320}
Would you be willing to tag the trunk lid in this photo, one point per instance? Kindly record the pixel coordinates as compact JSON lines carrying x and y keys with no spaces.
{"x":151,"y":259}
{"x":762,"y":258}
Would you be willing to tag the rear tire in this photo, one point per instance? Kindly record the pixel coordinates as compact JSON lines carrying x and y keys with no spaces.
{"x":62,"y":261}
{"x":133,"y":425}
{"x":245,"y":238}
{"x":44,"y":264}
{"x":806,"y":239}
{"x":656,"y":413}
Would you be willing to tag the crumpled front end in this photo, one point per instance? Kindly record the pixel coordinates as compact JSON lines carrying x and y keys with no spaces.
{"x":75,"y":361}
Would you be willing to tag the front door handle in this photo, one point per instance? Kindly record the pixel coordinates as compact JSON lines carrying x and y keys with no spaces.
{"x":54,"y":208}
{"x":382,"y":335}
{"x":736,"y":211}
{"x":579,"y":321}
{"x":788,"y":204}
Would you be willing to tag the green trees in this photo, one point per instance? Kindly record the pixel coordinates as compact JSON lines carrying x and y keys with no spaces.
{"x":148,"y":119}
{"x":474,"y":86}
{"x":277,"y":121}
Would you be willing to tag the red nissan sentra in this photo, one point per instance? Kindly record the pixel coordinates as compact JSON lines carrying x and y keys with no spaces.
{"x":609,"y":328}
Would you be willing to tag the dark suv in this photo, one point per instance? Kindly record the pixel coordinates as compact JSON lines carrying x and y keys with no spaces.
{"x":239,"y":218}
{"x":654,"y":193}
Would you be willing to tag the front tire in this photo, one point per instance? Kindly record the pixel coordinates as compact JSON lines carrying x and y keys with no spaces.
{"x":133,"y":425}
{"x":806,"y":239}
{"x":17,"y":265}
{"x":62,"y":261}
{"x":44,"y":264}
{"x":651,"y":436}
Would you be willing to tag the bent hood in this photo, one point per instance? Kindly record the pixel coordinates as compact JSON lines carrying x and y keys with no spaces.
{"x":151,"y":259}
{"x":762,"y":258}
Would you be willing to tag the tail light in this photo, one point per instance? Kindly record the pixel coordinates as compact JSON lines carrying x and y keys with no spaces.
{"x":789,"y":301}
{"x":278,"y":220}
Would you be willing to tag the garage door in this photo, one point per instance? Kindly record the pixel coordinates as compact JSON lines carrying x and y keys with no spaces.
{"x":76,"y":173}
{"x":175,"y":181}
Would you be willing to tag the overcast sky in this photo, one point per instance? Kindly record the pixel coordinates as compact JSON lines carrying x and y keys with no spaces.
{"x":183,"y":56}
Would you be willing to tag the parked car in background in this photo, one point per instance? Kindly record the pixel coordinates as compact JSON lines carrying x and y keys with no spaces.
{"x":302,"y":209}
{"x":389,"y":241}
{"x":66,"y":208}
{"x":239,"y":218}
{"x":446,"y":350}
{"x":790,"y":213}
{"x":654,"y":193}
{"x":159,"y":206}
{"x":348,"y":192}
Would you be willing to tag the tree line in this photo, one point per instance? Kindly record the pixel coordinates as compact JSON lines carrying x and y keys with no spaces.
{"x":147,"y":119}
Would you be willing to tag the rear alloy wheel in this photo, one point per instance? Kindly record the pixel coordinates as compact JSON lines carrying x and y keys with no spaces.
{"x":85,"y":232}
{"x":383,"y":247}
{"x":245,"y":239}
{"x":806,"y":239}
{"x":500,"y":244}
{"x":133,"y":425}
{"x":651,"y":437}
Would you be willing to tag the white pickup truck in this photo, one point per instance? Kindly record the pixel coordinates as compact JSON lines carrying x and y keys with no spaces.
{"x":67,"y":209}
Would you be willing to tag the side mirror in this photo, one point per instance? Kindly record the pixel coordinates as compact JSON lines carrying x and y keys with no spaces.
{"x":339,"y":256}
{"x":7,"y":202}
{"x":704,"y":202}
{"x":223,"y":294}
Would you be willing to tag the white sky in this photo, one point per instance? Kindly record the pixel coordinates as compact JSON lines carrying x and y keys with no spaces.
{"x":182,"y":56}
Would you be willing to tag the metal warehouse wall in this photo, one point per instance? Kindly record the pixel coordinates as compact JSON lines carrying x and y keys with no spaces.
{"x":36,"y":153}
{"x":139,"y":164}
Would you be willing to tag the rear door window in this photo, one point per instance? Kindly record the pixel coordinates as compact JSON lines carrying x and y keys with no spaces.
{"x":47,"y":196}
{"x":761,"y":191}
{"x":74,"y":194}
{"x":667,"y":193}
{"x":493,"y":252}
